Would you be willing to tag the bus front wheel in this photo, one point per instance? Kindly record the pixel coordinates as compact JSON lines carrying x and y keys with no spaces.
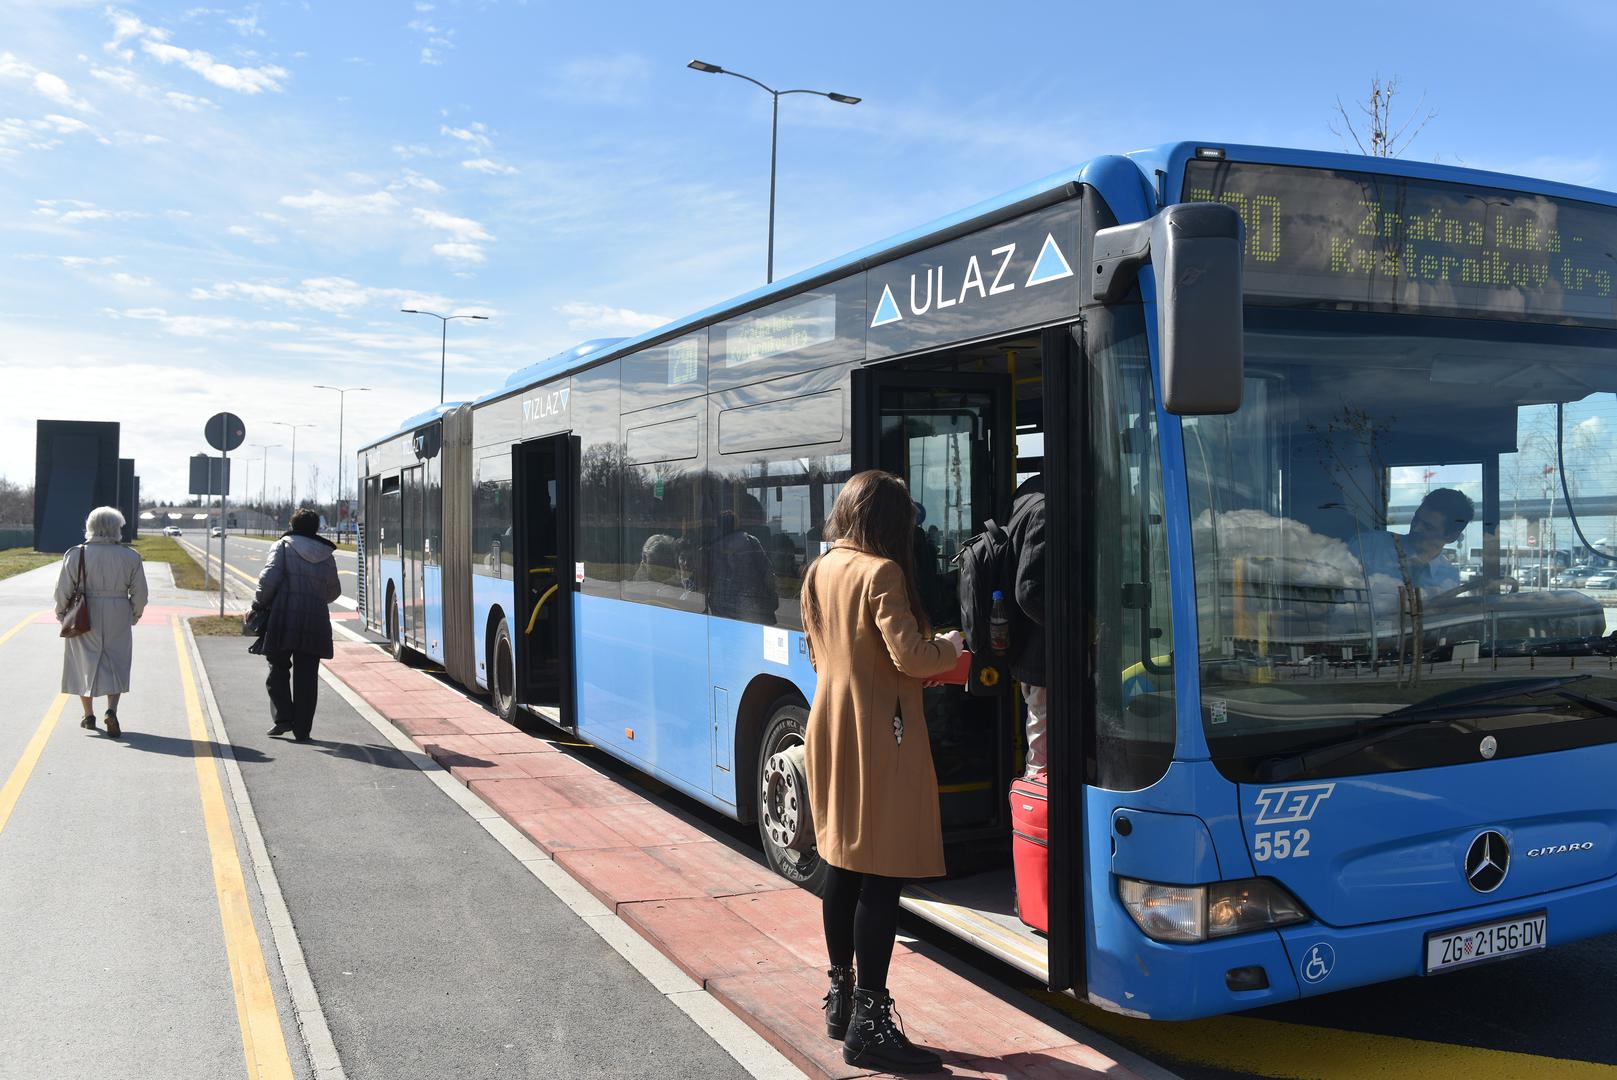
{"x":502,"y":674}
{"x":785,"y":820}
{"x":395,"y":637}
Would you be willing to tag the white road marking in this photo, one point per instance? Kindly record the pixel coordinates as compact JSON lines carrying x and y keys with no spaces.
{"x":745,"y":1046}
{"x":311,"y":1017}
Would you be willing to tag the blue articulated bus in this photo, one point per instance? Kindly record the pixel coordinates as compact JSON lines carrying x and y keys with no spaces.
{"x":1273,"y":396}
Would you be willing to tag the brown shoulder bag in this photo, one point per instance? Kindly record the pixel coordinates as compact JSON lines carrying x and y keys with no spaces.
{"x":76,"y":617}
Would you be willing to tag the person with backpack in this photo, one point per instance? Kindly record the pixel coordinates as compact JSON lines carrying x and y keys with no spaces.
{"x":873,"y":790}
{"x":296,"y":587}
{"x":1002,"y":610}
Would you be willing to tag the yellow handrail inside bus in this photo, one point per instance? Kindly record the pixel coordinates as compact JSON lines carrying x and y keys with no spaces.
{"x":534,"y":618}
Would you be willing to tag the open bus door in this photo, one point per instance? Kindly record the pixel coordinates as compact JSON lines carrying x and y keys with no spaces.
{"x":951,"y":436}
{"x":544,"y":477}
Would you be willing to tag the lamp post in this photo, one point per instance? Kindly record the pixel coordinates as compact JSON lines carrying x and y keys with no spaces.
{"x":774,"y":133}
{"x":342,"y":398}
{"x":443,"y":343}
{"x":263,"y":470}
{"x":293,"y":474}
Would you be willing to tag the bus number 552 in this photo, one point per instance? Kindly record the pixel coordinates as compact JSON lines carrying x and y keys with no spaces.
{"x":1280,"y":844}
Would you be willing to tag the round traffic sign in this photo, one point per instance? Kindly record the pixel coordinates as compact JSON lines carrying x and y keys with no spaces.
{"x":225,"y":431}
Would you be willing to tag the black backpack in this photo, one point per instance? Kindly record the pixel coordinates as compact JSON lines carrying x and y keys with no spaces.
{"x":987,"y":564}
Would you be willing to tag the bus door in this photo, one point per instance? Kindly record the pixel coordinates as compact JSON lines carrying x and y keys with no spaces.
{"x":371,"y":523}
{"x":949,"y":435}
{"x":544,"y":476}
{"x":413,"y":537}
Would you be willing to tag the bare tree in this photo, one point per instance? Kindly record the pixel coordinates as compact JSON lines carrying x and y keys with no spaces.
{"x":16,"y":503}
{"x":1382,"y":134}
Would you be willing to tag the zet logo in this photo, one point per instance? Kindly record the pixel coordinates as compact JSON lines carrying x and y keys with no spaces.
{"x":1317,"y":963}
{"x":1286,"y":805}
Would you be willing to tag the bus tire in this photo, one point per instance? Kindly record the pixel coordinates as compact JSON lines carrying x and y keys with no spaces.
{"x":785,"y":820}
{"x":395,"y":636}
{"x":502,"y":674}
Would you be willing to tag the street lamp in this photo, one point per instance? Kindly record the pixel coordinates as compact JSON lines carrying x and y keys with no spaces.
{"x":774,"y":133}
{"x":263,"y":470}
{"x":294,"y":470}
{"x":342,"y":398}
{"x":443,"y":344}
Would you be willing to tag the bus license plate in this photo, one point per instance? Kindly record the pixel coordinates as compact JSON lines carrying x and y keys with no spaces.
{"x":1449,"y":949}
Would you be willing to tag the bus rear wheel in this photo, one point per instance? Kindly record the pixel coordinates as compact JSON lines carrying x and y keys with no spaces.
{"x":395,"y":637}
{"x":785,"y":820}
{"x":502,"y":674}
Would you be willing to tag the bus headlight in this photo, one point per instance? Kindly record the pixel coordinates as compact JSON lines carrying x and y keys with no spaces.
{"x":1191,"y":913}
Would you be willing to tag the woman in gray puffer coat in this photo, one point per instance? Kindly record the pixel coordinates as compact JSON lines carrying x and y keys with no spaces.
{"x":297,"y":586}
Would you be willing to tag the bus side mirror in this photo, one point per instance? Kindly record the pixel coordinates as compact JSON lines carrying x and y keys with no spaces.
{"x":1197,"y":250}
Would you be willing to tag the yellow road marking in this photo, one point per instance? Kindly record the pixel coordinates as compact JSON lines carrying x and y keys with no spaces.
{"x":30,"y":757}
{"x":263,"y":1041}
{"x":15,"y":630}
{"x":1271,"y":1048}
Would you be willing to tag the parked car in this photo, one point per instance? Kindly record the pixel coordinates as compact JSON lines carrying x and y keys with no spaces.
{"x":171,"y":530}
{"x":1470,"y":571}
{"x":1601,"y":579}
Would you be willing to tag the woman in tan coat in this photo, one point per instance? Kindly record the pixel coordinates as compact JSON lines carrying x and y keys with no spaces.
{"x":113,"y":580}
{"x":872,"y":787}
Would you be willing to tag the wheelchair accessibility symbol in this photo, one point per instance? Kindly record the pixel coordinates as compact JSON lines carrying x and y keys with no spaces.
{"x":1317,"y":963}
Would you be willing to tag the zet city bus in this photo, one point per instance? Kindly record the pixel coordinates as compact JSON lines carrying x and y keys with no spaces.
{"x":1290,"y":751}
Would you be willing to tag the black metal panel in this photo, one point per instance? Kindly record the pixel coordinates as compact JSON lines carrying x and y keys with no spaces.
{"x":75,"y":471}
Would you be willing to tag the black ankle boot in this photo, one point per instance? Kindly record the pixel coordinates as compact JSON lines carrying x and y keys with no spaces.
{"x":839,"y":1002}
{"x":875,"y":1042}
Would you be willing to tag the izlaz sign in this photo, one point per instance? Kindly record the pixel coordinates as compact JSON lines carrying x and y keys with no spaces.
{"x":1015,"y":275}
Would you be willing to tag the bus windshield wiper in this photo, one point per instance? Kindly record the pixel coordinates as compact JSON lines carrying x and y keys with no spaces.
{"x":1467,"y":703}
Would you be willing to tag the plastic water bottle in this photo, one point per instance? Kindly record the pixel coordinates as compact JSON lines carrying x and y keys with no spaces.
{"x":999,"y":625}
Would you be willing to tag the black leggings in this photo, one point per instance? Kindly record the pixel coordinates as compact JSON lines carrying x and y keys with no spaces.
{"x":861,"y":916}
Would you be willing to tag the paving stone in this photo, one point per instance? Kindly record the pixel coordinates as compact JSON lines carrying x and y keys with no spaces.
{"x":422,"y":726}
{"x":717,"y":871}
{"x":1070,"y":1062}
{"x":513,"y":797}
{"x":549,"y":764}
{"x":592,"y":790}
{"x":785,"y":1008}
{"x":789,"y":916}
{"x":934,"y":1001}
{"x":626,"y":875}
{"x":705,"y":940}
{"x":648,"y":824}
{"x":515,"y":742}
{"x":478,"y":722}
{"x":569,"y":828}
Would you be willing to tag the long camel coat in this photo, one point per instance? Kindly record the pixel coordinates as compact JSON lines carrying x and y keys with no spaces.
{"x":97,"y":663}
{"x":872,"y":786}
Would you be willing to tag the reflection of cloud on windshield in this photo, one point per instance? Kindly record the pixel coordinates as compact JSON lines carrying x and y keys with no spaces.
{"x":1276,"y":549}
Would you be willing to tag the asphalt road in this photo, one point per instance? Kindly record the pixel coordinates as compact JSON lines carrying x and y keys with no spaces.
{"x":434,"y":951}
{"x":244,"y":556}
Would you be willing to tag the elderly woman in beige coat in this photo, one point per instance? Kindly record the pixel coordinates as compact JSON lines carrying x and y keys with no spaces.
{"x":113,"y":580}
{"x":872,"y":787}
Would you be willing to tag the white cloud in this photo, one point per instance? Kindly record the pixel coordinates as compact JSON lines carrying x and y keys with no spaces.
{"x":154,"y":42}
{"x":42,"y":134}
{"x":247,"y":25}
{"x":422,"y":183}
{"x":409,"y":152}
{"x":429,"y":57}
{"x":253,"y":233}
{"x":335,"y":295}
{"x":188,"y":102}
{"x":598,"y":317}
{"x":437,"y":38}
{"x":484,"y":165}
{"x":46,"y":85}
{"x":475,"y":133}
{"x":75,"y":262}
{"x":120,"y":78}
{"x":80,"y":211}
{"x":131,"y":281}
{"x":322,"y":204}
{"x":467,"y":253}
{"x":200,"y":325}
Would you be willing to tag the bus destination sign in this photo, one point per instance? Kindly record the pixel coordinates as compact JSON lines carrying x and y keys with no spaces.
{"x":1378,"y":242}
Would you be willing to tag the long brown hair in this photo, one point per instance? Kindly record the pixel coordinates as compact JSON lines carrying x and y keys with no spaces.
{"x":874,"y":513}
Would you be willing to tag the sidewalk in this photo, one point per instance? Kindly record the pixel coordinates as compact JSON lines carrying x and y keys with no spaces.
{"x":748,"y":937}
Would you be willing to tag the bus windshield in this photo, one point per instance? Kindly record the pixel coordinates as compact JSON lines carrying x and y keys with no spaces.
{"x":1385,"y":523}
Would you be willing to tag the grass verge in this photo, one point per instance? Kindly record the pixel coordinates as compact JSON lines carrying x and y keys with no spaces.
{"x":216,"y":625}
{"x":19,"y":560}
{"x":187,"y":571}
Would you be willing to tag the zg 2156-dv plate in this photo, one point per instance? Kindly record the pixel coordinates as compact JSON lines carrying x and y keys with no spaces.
{"x":1449,"y":949}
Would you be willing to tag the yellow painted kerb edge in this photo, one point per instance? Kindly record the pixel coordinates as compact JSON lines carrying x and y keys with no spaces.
{"x":263,"y":1040}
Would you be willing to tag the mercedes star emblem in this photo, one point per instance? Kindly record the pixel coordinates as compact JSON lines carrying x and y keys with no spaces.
{"x":1489,"y":747}
{"x":1487,"y":862}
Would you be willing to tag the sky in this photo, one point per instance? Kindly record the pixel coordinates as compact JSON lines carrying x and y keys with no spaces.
{"x":216,"y":208}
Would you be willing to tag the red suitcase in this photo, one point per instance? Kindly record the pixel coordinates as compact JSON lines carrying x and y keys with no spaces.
{"x":1030,"y":849}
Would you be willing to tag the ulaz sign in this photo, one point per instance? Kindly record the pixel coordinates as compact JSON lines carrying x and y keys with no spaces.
{"x":1019,"y":274}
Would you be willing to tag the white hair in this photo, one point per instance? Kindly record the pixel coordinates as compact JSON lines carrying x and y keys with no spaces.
{"x":104,"y":523}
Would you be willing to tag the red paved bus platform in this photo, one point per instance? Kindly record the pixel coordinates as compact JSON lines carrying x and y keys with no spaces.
{"x":749,"y":937}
